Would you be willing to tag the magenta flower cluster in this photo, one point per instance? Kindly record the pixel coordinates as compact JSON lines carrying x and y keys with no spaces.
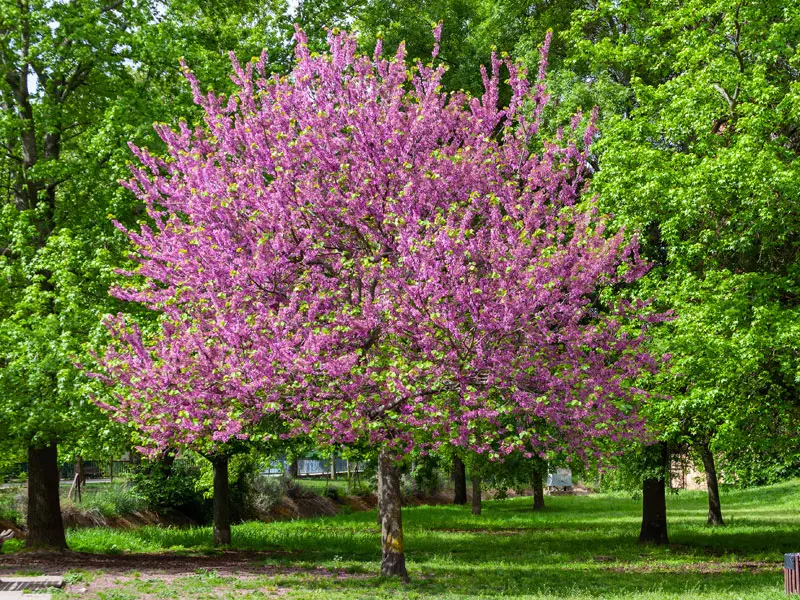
{"x":367,"y":258}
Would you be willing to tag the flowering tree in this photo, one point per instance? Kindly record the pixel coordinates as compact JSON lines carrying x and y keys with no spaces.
{"x":374,"y":259}
{"x":182,"y":389}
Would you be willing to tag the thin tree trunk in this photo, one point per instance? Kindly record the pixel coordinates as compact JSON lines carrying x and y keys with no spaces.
{"x":538,"y":484}
{"x":222,"y":505}
{"x":654,"y":502}
{"x":712,"y":481}
{"x":476,"y":494}
{"x":80,"y":478}
{"x":459,"y":481}
{"x":73,"y":487}
{"x":45,"y":527}
{"x":393,"y":559}
{"x":294,"y":469}
{"x":167,"y":461}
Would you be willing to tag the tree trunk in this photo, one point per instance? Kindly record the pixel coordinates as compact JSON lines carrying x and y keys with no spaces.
{"x":714,"y":505}
{"x":393,"y":559}
{"x":654,"y":501}
{"x":538,"y":484}
{"x":460,"y":481}
{"x":476,"y":494}
{"x":222,"y":505}
{"x":45,"y":527}
{"x":167,"y":461}
{"x":80,"y":478}
{"x":294,"y":469}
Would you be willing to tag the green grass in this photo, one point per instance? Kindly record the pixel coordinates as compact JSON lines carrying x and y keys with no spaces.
{"x":319,"y":486}
{"x":580,"y":547}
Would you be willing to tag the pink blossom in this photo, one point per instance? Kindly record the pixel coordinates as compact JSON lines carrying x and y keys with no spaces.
{"x":372,"y":259}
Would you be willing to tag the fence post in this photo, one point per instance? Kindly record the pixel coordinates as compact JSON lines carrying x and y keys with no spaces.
{"x":791,"y":573}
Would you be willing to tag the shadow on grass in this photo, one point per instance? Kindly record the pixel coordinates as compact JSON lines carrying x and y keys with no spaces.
{"x":578,"y":545}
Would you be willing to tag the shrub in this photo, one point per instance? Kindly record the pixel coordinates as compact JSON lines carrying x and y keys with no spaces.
{"x":166,"y":487}
{"x":265,"y":493}
{"x":424,"y":478}
{"x":333,"y":493}
{"x":12,"y":506}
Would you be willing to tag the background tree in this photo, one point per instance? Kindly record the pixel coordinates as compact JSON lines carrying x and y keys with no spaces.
{"x":704,"y":161}
{"x":77,"y":81}
{"x":60,"y":66}
{"x":176,"y":389}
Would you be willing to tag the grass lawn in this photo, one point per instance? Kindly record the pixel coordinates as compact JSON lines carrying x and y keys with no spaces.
{"x":580,"y":547}
{"x":320,"y":485}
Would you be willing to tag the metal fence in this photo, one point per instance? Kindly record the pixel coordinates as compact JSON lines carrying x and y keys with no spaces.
{"x":92,"y":469}
{"x":99,"y":469}
{"x":313,"y":467}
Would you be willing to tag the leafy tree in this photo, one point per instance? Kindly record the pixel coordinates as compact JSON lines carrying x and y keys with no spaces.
{"x":61,"y":64}
{"x":185,"y":390}
{"x":471,"y":30}
{"x":77,"y":81}
{"x":703,"y":159}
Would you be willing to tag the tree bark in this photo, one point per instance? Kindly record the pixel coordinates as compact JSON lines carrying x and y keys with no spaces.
{"x":712,"y":481}
{"x":45,"y":527}
{"x":476,"y":495}
{"x":654,"y":501}
{"x":379,"y":492}
{"x":167,"y":460}
{"x":222,"y":505}
{"x":393,"y":558}
{"x":294,"y":469}
{"x":539,"y":468}
{"x":81,"y":477}
{"x":459,"y":481}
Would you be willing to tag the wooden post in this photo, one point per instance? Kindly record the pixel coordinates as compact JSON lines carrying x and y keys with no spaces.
{"x":111,"y":470}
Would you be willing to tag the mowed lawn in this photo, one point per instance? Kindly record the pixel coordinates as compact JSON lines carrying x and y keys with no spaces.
{"x":579,"y":547}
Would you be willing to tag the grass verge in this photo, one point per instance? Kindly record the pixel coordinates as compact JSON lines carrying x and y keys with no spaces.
{"x":579,"y":547}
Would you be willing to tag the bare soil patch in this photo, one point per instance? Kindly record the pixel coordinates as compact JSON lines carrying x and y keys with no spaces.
{"x":223,"y":564}
{"x":111,"y":572}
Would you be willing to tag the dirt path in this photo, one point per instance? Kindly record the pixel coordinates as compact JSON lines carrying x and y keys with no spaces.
{"x":56,"y":563}
{"x":118,"y":573}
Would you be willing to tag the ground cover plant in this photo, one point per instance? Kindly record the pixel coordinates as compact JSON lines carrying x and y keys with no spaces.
{"x":579,"y":547}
